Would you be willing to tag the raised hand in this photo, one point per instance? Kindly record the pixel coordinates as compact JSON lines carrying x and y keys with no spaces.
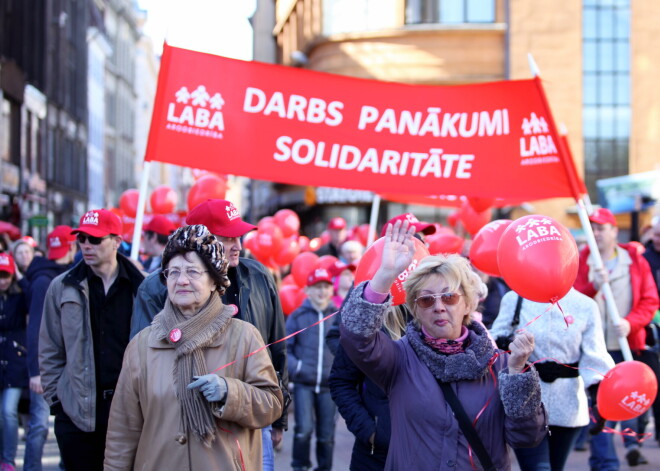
{"x":398,"y":253}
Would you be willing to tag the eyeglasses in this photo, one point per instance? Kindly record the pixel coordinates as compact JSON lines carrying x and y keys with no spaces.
{"x":82,"y":238}
{"x":428,"y":300}
{"x":191,"y":273}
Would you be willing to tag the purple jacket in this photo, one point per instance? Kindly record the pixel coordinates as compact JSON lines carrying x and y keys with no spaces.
{"x":425,"y":434}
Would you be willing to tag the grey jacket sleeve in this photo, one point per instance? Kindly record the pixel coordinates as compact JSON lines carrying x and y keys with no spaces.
{"x":52,"y":356}
{"x":149,"y":301}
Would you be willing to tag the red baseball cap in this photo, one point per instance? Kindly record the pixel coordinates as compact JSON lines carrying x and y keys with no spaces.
{"x":423,"y":227}
{"x":7,"y":263}
{"x":58,"y":242}
{"x":319,"y":275}
{"x":603,"y":216}
{"x":337,"y":224}
{"x":336,"y":268}
{"x":160,"y":225}
{"x":99,"y":223}
{"x":221,"y":217}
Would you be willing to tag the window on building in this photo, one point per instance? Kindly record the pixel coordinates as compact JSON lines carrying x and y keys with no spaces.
{"x":450,"y":11}
{"x":606,"y":89}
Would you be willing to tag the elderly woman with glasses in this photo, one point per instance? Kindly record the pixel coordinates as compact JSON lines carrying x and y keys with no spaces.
{"x":197,"y":385}
{"x":444,"y":378}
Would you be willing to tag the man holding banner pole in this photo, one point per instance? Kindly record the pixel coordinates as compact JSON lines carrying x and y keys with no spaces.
{"x":626,"y":275}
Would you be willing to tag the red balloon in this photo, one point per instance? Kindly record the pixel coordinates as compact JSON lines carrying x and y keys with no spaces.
{"x":325,"y":237}
{"x":250,"y":240}
{"x":289,"y":298}
{"x":444,"y":243}
{"x":12,"y":231}
{"x":538,"y":258}
{"x":302,"y":266}
{"x":163,"y":200}
{"x":266,"y":221}
{"x":326,"y":261}
{"x":301,"y":297}
{"x":370,"y":262}
{"x":315,"y":244}
{"x":288,"y":221}
{"x":481,"y":204}
{"x":483,"y":251}
{"x":288,"y":280}
{"x":268,"y":241}
{"x":207,"y":187}
{"x":287,"y":251}
{"x":627,"y":391}
{"x":473,"y":220}
{"x":303,"y":241}
{"x":128,"y":202}
{"x":453,"y":217}
{"x":361,"y":234}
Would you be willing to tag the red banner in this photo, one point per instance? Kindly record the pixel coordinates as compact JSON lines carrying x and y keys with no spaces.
{"x":302,"y":127}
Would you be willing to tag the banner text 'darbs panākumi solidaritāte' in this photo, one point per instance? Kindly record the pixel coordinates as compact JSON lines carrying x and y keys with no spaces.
{"x":303,"y":127}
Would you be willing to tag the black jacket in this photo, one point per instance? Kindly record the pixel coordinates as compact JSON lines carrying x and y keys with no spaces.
{"x":653,"y":257}
{"x":259,"y":305}
{"x":13,"y":314}
{"x":38,"y":276}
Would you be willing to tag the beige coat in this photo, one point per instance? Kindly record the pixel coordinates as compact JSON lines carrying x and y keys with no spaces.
{"x":144,"y":431}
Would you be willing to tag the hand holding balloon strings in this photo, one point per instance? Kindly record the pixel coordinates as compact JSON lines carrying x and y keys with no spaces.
{"x":521,"y":348}
{"x":398,"y":252}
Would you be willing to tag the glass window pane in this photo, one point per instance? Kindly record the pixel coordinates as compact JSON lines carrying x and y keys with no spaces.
{"x":606,"y":119}
{"x":622,"y":24}
{"x":622,"y":95}
{"x":622,"y":122}
{"x":622,"y":56}
{"x":589,"y":57}
{"x":481,"y":11}
{"x":606,"y":89}
{"x":606,"y":56}
{"x":589,"y":29}
{"x":605,"y":23}
{"x":589,"y":90}
{"x":590,"y":122}
{"x":452,"y":11}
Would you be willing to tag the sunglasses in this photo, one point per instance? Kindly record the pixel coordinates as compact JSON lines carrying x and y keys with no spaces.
{"x":428,"y":300}
{"x":82,"y":238}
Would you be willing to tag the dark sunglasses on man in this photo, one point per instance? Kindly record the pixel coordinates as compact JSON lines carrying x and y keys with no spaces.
{"x":82,"y":238}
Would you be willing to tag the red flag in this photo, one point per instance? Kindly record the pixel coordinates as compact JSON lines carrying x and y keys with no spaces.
{"x":491,"y":140}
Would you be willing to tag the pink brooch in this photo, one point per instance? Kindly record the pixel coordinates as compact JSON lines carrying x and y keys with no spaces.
{"x":175,"y":335}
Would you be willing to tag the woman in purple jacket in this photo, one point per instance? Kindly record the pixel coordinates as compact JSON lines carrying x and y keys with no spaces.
{"x":442,"y":347}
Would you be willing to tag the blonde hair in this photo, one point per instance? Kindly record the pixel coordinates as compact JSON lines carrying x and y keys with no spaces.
{"x":395,"y":321}
{"x":456,"y":271}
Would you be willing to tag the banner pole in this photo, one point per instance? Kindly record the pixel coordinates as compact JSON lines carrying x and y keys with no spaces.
{"x":139,"y":217}
{"x":373,"y":219}
{"x":606,"y":289}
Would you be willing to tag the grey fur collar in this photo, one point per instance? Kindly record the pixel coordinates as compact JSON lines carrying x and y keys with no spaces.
{"x":469,"y":365}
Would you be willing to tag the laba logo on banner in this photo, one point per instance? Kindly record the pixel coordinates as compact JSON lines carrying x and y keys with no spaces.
{"x":196,"y":113}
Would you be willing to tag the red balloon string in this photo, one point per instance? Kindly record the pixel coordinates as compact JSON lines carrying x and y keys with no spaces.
{"x":276,"y":341}
{"x":238,"y":445}
{"x":627,"y":432}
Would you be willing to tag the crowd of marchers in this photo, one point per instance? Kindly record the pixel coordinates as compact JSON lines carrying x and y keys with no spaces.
{"x":184,"y":359}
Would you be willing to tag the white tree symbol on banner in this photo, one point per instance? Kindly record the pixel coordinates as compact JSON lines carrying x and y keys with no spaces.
{"x":182,"y":96}
{"x":216,"y":102}
{"x":200,"y":96}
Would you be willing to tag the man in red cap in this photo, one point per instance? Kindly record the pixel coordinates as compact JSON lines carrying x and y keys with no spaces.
{"x":338,"y":234}
{"x":252,"y":290}
{"x":156,"y":234}
{"x":61,"y":245}
{"x":84,"y":332}
{"x":636,"y":297}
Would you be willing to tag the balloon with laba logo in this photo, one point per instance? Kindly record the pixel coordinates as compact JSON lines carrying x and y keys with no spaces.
{"x":627,"y":391}
{"x":538,"y":258}
{"x":370,"y":262}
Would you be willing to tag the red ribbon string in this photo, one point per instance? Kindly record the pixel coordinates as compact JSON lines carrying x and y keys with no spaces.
{"x":276,"y":341}
{"x":238,"y":445}
{"x":627,"y":432}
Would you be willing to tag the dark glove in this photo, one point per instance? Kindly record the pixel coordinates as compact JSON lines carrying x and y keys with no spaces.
{"x":212,"y":386}
{"x":597,"y":422}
